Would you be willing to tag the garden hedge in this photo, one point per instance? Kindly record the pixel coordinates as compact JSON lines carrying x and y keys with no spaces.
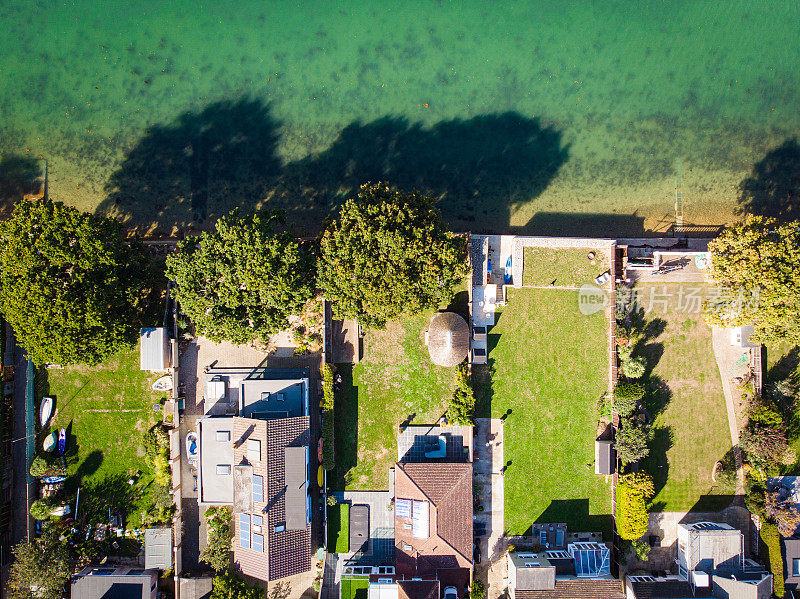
{"x":328,"y":455}
{"x":772,"y":540}
{"x":632,"y":515}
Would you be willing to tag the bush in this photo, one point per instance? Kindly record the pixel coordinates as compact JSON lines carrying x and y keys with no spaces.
{"x":641,"y":549}
{"x":47,"y":464}
{"x":604,"y":406}
{"x":631,"y":443}
{"x":478,"y":590}
{"x":218,"y":551}
{"x":462,"y":403}
{"x":634,"y":368}
{"x":41,"y":508}
{"x":232,"y":586}
{"x":764,"y":446}
{"x":328,"y":402}
{"x":772,"y":541}
{"x":632,"y":515}
{"x":626,"y":397}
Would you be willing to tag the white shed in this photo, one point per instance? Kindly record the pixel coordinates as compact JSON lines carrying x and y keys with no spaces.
{"x":740,"y":336}
{"x":154,"y":350}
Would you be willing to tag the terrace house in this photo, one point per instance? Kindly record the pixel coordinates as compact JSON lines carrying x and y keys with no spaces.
{"x":253,"y":444}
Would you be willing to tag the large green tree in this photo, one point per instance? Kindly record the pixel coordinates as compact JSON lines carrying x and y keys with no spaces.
{"x":388,"y":253}
{"x":69,"y":282}
{"x":241,"y":281}
{"x":40,"y":569}
{"x":756,"y":264}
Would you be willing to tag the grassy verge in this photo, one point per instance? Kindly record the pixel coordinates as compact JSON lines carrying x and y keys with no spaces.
{"x":562,"y":267}
{"x":548,"y":367}
{"x":106,"y":410}
{"x":339,"y":528}
{"x":686,"y":402}
{"x":396,"y":382}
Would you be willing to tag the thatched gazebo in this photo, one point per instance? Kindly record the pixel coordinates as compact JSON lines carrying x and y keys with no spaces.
{"x":447,"y":339}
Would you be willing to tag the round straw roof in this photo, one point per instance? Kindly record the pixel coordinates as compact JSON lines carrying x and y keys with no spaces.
{"x":448,"y":339}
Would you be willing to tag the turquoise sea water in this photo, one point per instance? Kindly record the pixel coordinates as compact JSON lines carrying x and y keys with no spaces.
{"x":542,"y":117}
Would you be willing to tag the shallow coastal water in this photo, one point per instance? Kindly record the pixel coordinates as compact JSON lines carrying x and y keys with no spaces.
{"x":539,"y":117}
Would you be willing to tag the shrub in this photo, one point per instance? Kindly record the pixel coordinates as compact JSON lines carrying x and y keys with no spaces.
{"x":772,"y":541}
{"x":755,"y":500}
{"x":217,"y":553}
{"x":604,"y":406}
{"x":328,"y":402}
{"x":634,"y":368}
{"x":641,"y":549}
{"x":462,"y":403}
{"x":627,"y":396}
{"x":47,"y":464}
{"x":478,"y":590}
{"x":764,"y":446}
{"x":631,"y":442}
{"x":632,"y":515}
{"x":232,"y":586}
{"x":781,"y":510}
{"x":41,"y":508}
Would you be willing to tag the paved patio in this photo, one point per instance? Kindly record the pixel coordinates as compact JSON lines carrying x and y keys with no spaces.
{"x":415,"y":440}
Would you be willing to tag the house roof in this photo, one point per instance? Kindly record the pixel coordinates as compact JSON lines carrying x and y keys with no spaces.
{"x":121,"y":583}
{"x":444,"y":492}
{"x":286,"y":550}
{"x":577,"y":589}
{"x":448,"y":339}
{"x":418,"y":589}
{"x":158,"y":548}
{"x":791,"y":549}
{"x":668,"y":589}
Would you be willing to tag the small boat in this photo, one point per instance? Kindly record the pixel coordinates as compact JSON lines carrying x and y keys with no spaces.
{"x":191,"y":446}
{"x":53,"y":480}
{"x":50,"y":441}
{"x":46,"y":409}
{"x":507,"y":277}
{"x":62,"y":441}
{"x":163,"y":384}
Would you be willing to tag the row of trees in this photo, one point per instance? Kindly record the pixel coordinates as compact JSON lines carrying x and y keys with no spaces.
{"x":72,"y":285}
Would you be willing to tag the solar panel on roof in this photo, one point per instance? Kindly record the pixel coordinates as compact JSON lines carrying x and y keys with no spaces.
{"x":402,"y":508}
{"x":421,"y":528}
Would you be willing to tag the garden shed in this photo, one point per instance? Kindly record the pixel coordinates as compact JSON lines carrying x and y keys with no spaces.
{"x":158,"y":548}
{"x":154,"y":349}
{"x":604,"y":456}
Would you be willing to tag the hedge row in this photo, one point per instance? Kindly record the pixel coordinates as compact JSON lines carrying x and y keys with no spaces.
{"x":328,"y":456}
{"x":772,"y":540}
{"x":632,"y":515}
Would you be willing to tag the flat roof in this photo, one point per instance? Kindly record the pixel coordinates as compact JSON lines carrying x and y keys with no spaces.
{"x":267,"y":399}
{"x":255,"y":392}
{"x":216,"y":450}
{"x":296,"y":487}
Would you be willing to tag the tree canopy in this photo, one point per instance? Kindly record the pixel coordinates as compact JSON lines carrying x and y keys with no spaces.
{"x":387,"y":253}
{"x":43,"y":564}
{"x":68,"y":282}
{"x":240,"y":282}
{"x":756,"y":265}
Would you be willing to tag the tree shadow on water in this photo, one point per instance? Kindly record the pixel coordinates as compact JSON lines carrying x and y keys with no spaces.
{"x":200,"y":166}
{"x":773,"y":188}
{"x":19,"y":175}
{"x":187,"y":173}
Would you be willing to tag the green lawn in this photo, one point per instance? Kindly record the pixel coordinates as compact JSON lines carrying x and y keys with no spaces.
{"x":562,"y":267}
{"x":690,"y":420}
{"x":395,"y":382}
{"x":549,"y":366}
{"x":355,"y":587}
{"x":339,"y":528}
{"x":106,"y":410}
